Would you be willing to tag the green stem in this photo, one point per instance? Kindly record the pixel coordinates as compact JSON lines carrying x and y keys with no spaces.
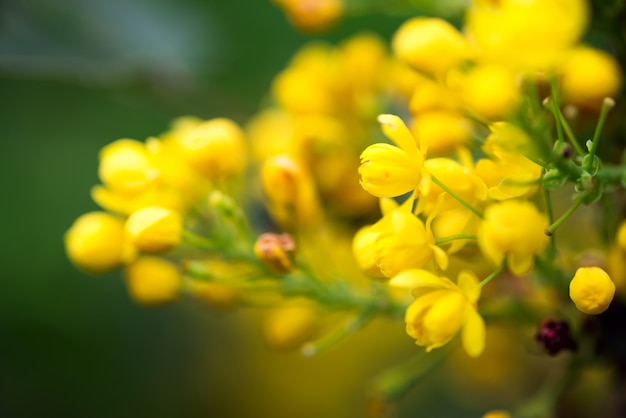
{"x":494,"y":274}
{"x":561,"y":123}
{"x":331,"y":339}
{"x":395,"y":382}
{"x":457,"y":197}
{"x":445,"y":240}
{"x":556,"y":224}
{"x":548,"y":202}
{"x":607,"y":105}
{"x":198,"y":241}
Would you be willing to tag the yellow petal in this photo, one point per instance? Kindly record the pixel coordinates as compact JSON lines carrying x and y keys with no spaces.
{"x":416,"y":279}
{"x":520,"y":264}
{"x":473,"y":333}
{"x":469,"y":285}
{"x":394,"y":128}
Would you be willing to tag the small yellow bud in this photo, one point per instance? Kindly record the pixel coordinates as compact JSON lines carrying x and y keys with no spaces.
{"x":430,"y":45}
{"x":514,"y":229}
{"x":215,"y":148}
{"x":152,"y":280}
{"x":589,"y":75}
{"x":95,"y":242}
{"x":154,"y":229}
{"x":491,"y":91}
{"x":592,"y":290}
{"x":126,"y":166}
{"x":442,"y":131}
{"x":289,"y":327}
{"x":292,"y":197}
{"x":275,"y":251}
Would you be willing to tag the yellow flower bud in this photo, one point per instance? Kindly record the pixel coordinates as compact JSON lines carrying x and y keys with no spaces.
{"x":491,"y":91}
{"x":154,"y":229}
{"x":589,"y":75}
{"x":515,"y":229}
{"x":289,"y":327}
{"x":291,"y":194}
{"x":441,"y":130}
{"x":591,"y":290}
{"x":126,"y":166}
{"x":152,"y":280}
{"x":215,"y":148}
{"x":95,"y":242}
{"x":430,"y":45}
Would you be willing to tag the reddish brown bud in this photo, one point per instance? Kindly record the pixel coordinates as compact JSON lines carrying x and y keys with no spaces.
{"x":275,"y":250}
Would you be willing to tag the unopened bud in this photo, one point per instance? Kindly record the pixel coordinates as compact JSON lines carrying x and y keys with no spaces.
{"x":275,"y":251}
{"x":554,"y":336}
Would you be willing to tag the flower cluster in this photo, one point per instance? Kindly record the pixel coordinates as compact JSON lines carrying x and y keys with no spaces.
{"x":479,"y":174}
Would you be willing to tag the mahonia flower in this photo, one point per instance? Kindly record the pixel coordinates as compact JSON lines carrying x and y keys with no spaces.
{"x":442,"y":131}
{"x":430,"y":45}
{"x":513,"y":229}
{"x":96,"y":242}
{"x":441,"y":309}
{"x":460,"y":179}
{"x":215,"y":148}
{"x":508,"y":173}
{"x":389,"y":171}
{"x":290,"y":191}
{"x":591,"y":290}
{"x":491,"y":91}
{"x":527,"y":34}
{"x":405,"y":242}
{"x":153,"y":280}
{"x":588,"y":75}
{"x":154,"y":229}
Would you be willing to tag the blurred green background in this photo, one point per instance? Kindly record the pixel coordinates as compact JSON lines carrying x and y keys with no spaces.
{"x":74,"y":76}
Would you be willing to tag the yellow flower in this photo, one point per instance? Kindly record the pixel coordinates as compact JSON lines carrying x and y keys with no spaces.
{"x":513,"y":229}
{"x":455,"y":176}
{"x":528,"y":34}
{"x":152,"y":280}
{"x":96,"y":243}
{"x":405,"y":242}
{"x":126,"y":166}
{"x":442,"y":131}
{"x":491,"y":91}
{"x":430,"y":95}
{"x":290,"y":191}
{"x":508,"y":173}
{"x":430,"y":45}
{"x":441,"y":309}
{"x":588,"y":75}
{"x":215,"y":148}
{"x":389,"y":171}
{"x":154,"y":229}
{"x":591,"y":290}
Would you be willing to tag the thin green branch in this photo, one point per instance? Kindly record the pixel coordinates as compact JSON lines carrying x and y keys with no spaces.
{"x":457,"y":197}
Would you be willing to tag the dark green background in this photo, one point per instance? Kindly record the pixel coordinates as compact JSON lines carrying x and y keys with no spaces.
{"x":74,"y":76}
